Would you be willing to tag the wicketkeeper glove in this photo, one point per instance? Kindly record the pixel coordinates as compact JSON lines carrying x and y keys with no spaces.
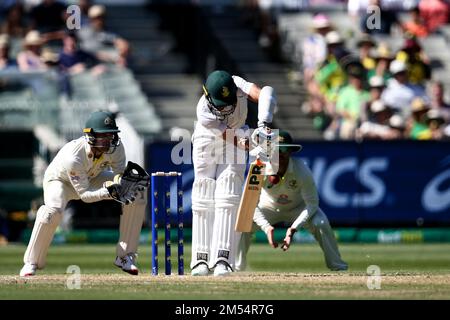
{"x":125,"y":187}
{"x":118,"y":193}
{"x":134,"y":178}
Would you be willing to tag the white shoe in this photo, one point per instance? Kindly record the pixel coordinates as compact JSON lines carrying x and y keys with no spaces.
{"x":222,"y":269}
{"x":28,"y":270}
{"x":127,"y":264}
{"x":200,"y":270}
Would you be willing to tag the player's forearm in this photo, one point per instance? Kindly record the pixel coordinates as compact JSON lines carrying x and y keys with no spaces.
{"x":261,"y":221}
{"x":95,"y":196}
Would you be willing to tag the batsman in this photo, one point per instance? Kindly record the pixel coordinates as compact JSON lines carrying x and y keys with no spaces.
{"x":290,"y":196}
{"x":217,"y":188}
{"x":91,"y":168}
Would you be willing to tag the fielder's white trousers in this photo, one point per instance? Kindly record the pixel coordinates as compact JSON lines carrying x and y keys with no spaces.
{"x":318,"y":226}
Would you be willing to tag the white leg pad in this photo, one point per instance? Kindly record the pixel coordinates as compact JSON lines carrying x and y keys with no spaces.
{"x":131,"y":222}
{"x":202,"y":219}
{"x":47,"y":220}
{"x":224,"y":240}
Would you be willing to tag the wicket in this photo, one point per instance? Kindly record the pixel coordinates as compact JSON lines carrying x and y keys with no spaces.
{"x":156,"y":179}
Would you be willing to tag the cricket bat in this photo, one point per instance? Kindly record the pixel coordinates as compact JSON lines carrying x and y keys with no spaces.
{"x":250,"y":197}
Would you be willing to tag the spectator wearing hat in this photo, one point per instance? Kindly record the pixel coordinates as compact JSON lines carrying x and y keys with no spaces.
{"x":383,"y":57}
{"x":417,"y":125}
{"x":48,"y":16}
{"x":378,"y":126}
{"x":29,"y":59}
{"x":415,"y":26}
{"x":398,"y":126}
{"x":399,"y":92}
{"x":95,"y":39}
{"x":6,"y":63}
{"x":436,"y":120}
{"x":376,"y":87}
{"x":351,"y":100}
{"x":315,"y":47}
{"x":434,"y":13}
{"x":314,"y":54}
{"x":417,"y":63}
{"x":365,"y":44}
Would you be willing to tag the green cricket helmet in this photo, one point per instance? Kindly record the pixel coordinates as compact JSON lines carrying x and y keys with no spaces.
{"x":99,"y":123}
{"x":286,"y":143}
{"x":220,"y":91}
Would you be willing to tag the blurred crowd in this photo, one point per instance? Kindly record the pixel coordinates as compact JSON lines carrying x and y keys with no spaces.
{"x":370,"y":91}
{"x":42,"y":35}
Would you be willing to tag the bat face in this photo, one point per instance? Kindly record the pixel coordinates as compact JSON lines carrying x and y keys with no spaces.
{"x":250,"y":197}
{"x":254,"y":177}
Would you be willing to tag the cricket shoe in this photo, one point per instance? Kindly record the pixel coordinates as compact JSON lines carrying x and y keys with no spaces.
{"x":222,"y":269}
{"x":28,"y":270}
{"x":127,"y":264}
{"x":340,"y":268}
{"x":200,"y":270}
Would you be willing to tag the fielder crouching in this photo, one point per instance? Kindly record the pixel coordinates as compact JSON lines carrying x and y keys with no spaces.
{"x":291,"y":196}
{"x":90,"y":168}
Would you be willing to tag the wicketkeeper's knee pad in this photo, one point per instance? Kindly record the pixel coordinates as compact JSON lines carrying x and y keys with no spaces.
{"x":202,"y":219}
{"x":131,"y":222}
{"x":47,"y":220}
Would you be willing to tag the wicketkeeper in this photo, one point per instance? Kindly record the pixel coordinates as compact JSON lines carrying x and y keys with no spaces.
{"x":91,"y":168}
{"x":217,"y":188}
{"x":291,"y":196}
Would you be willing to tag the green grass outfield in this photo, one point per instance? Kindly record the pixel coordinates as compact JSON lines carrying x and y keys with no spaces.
{"x":408,"y":271}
